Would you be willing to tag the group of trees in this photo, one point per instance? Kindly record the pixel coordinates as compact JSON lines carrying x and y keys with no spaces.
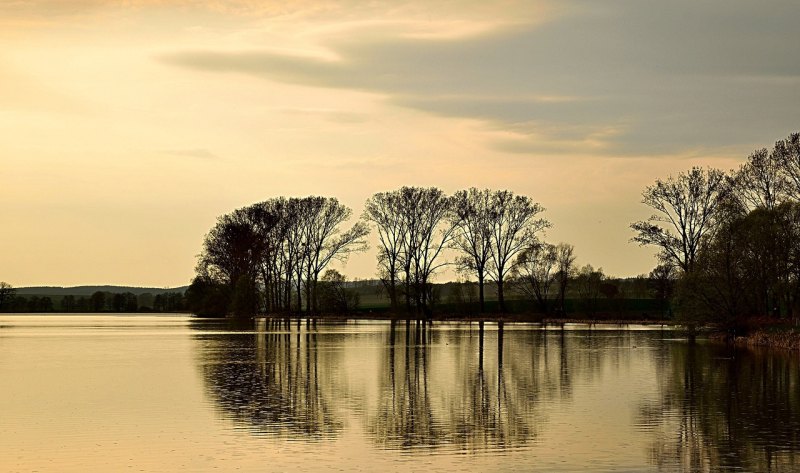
{"x":265,"y":257}
{"x":731,"y":240}
{"x":269,"y":257}
{"x":543,"y":269}
{"x":99,"y":301}
{"x":487,"y":229}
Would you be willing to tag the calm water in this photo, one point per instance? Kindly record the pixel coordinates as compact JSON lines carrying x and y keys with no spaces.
{"x":142,"y":393}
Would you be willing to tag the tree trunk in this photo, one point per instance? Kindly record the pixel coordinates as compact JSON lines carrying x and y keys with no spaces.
{"x":299,"y":295}
{"x":500,"y":297}
{"x":480,"y":291}
{"x":314,"y":298}
{"x":393,"y":293}
{"x":267,"y":291}
{"x":408,"y":292}
{"x":308,"y":296}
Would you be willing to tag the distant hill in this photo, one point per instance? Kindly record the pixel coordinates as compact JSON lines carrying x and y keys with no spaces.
{"x":89,"y":290}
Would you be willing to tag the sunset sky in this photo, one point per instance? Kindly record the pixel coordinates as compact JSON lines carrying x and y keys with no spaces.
{"x":127,"y":127}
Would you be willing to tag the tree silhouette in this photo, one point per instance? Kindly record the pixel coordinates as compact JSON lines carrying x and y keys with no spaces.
{"x":384,"y":210}
{"x":513,"y":227}
{"x":7,"y":293}
{"x":473,"y":238}
{"x":685,"y":209}
{"x":536,"y":271}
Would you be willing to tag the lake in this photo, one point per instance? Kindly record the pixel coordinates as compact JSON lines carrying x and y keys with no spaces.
{"x":176,"y":393}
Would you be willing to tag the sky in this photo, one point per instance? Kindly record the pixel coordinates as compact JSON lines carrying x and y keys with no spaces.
{"x":127,"y":127}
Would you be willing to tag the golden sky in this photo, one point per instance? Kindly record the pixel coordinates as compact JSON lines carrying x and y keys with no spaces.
{"x":127,"y":127}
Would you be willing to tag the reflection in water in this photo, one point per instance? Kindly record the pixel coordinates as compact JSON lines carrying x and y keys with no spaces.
{"x":476,"y":388}
{"x":724,"y":409}
{"x":480,"y":410}
{"x":181,"y":394}
{"x":403,"y":417}
{"x":467,"y":389}
{"x":269,"y":381}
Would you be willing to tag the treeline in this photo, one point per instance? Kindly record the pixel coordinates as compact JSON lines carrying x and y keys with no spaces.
{"x":591,"y":294}
{"x":730,"y":240}
{"x":269,"y":256}
{"x":99,"y":301}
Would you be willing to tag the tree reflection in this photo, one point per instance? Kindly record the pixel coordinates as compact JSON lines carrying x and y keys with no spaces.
{"x":725,"y":409}
{"x":268,"y":381}
{"x":404,"y":410}
{"x":470,"y":390}
{"x":408,"y":385}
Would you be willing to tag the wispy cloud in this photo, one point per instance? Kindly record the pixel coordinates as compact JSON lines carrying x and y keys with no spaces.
{"x":663,"y":75}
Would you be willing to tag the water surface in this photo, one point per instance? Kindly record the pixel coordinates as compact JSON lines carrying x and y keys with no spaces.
{"x":174,"y":393}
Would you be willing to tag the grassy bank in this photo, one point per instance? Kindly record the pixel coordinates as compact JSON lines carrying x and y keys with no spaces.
{"x":786,"y":338}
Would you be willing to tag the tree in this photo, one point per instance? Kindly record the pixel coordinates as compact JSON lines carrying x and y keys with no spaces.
{"x":334,"y":297}
{"x":97,"y":302}
{"x":45,"y":304}
{"x":232,"y":249}
{"x":565,"y":258}
{"x":415,"y":225}
{"x":207,"y":297}
{"x":233,"y":253}
{"x":131,"y":302}
{"x":686,"y":206}
{"x":536,"y":271}
{"x":68,"y":303}
{"x":244,"y":301}
{"x":662,"y":281}
{"x":760,"y":182}
{"x":589,"y":283}
{"x":749,"y":268}
{"x":118,"y":302}
{"x":428,"y":215}
{"x":513,"y":227}
{"x":277,"y":246}
{"x":787,"y":153}
{"x":326,"y":241}
{"x":7,"y":294}
{"x":384,"y":210}
{"x":473,"y":233}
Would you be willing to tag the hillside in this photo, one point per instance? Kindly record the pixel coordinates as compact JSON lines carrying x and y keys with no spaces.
{"x":58,"y":291}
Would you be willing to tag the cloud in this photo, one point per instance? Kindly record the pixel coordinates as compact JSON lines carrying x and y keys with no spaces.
{"x":666,"y":76}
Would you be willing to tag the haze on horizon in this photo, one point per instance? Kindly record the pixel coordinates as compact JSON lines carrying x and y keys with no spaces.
{"x":129,"y":126}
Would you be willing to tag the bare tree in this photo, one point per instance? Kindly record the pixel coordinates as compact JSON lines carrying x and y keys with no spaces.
{"x":686,"y":206}
{"x":415,"y":225}
{"x":325,"y":241}
{"x":473,"y":237}
{"x":565,"y":258}
{"x":270,"y":224}
{"x":787,"y":152}
{"x":384,"y":209}
{"x":536,"y":271}
{"x":513,"y":226}
{"x":428,"y":213}
{"x":760,"y":182}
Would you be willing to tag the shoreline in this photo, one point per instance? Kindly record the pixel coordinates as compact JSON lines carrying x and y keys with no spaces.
{"x":784,"y":340}
{"x":502,"y":318}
